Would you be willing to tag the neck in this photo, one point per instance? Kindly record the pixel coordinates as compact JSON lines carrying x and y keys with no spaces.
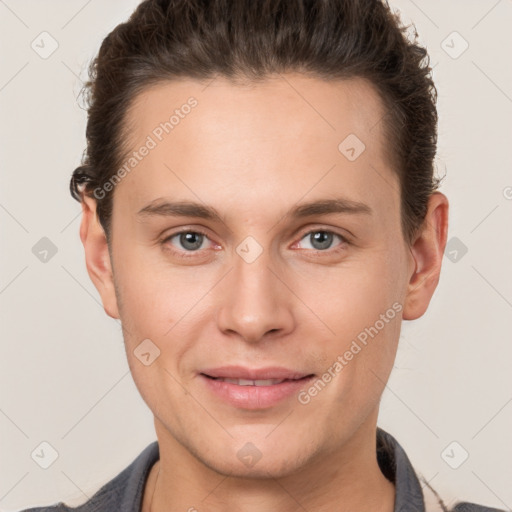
{"x":346,"y":480}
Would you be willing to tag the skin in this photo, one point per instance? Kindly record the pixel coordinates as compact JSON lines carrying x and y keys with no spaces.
{"x":254,"y":152}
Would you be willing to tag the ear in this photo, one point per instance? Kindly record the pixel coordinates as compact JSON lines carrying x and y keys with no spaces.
{"x":427,"y":251}
{"x":97,"y":257}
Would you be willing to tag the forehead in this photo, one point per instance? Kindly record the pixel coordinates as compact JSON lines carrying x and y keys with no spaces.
{"x":295,"y":102}
{"x":289,"y":134}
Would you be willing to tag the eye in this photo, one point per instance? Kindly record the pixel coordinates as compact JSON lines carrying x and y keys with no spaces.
{"x":189,"y":241}
{"x":320,"y":240}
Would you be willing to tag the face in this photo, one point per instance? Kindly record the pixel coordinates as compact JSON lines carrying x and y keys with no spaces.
{"x":251,"y":242}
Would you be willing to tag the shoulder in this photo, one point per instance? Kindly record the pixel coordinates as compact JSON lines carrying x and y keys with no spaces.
{"x":124,"y":492}
{"x":433,"y":503}
{"x":411,"y":495}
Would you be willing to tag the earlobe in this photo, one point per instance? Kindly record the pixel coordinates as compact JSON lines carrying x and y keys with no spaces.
{"x":427,"y":252}
{"x":97,"y":257}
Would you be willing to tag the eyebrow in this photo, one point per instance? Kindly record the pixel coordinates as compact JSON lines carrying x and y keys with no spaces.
{"x":163,"y":208}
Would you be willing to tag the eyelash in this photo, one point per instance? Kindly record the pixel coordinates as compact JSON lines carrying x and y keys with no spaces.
{"x":188,"y":254}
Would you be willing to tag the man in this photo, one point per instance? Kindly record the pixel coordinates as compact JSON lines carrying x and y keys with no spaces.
{"x":260,"y":212}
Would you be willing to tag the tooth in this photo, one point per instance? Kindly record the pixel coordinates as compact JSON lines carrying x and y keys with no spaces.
{"x":231,"y":381}
{"x":268,"y":382}
{"x":249,"y":382}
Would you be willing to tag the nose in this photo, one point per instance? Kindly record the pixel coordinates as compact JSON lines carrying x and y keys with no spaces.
{"x":255,"y":303}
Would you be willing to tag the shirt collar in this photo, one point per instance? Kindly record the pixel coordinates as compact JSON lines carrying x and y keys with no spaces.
{"x":397,"y":468}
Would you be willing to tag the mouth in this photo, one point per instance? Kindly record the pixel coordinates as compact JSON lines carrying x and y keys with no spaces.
{"x":254,"y":389}
{"x":250,"y":375}
{"x":258,"y":382}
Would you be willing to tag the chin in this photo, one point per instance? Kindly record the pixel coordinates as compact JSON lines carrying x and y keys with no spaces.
{"x":261,"y":470}
{"x":259,"y":460}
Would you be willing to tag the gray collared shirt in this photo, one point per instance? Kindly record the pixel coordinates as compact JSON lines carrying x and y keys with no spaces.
{"x":124,"y":492}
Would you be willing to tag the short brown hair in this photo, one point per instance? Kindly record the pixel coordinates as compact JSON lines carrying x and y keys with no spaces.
{"x":327,"y":39}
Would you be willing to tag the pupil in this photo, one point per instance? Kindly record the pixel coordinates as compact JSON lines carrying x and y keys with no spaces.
{"x":321,"y":240}
{"x":191,"y":240}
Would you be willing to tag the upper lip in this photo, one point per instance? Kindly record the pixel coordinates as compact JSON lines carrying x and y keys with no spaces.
{"x":241,"y":372}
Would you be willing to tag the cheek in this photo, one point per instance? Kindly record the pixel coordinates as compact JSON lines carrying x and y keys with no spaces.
{"x":361,"y":304}
{"x":354,"y":295}
{"x":158,"y":300}
{"x":148,"y":303}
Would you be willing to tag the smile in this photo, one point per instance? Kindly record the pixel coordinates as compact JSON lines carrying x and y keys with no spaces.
{"x":253,"y":389}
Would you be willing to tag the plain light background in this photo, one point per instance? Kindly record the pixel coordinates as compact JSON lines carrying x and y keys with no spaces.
{"x":63,"y":371}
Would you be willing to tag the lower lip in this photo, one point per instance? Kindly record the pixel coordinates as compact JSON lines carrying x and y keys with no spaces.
{"x":255,"y":397}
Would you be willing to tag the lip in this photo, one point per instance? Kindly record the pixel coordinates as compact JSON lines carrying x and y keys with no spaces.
{"x":242,"y":372}
{"x":254,"y":397}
